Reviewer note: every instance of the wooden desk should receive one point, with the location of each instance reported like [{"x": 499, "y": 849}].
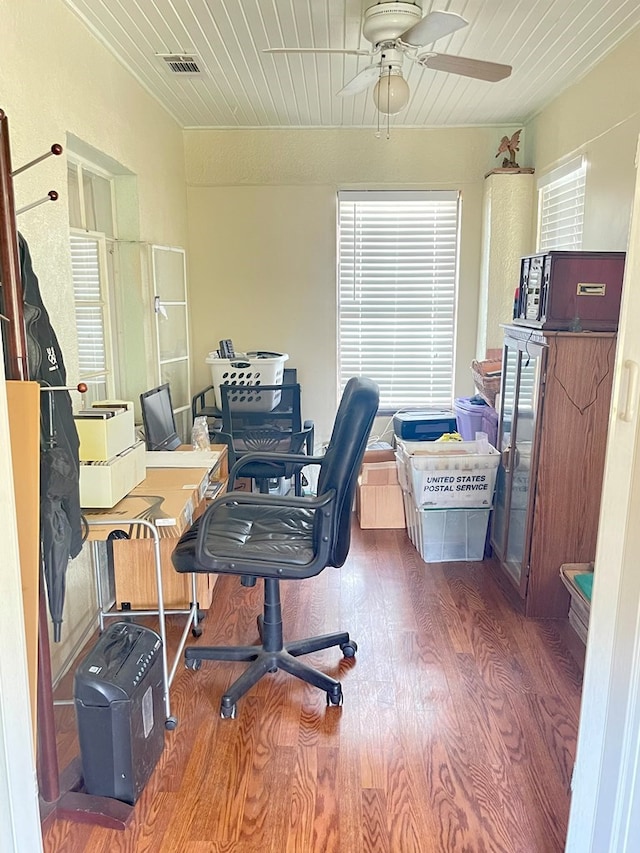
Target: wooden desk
[
  {"x": 172, "y": 499},
  {"x": 154, "y": 515}
]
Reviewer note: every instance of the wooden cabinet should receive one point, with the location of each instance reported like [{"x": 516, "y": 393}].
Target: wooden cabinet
[{"x": 552, "y": 432}]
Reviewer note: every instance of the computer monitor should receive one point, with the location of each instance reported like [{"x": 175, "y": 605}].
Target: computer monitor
[{"x": 157, "y": 417}]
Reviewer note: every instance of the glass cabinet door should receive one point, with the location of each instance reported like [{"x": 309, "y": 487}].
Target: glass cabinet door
[
  {"x": 515, "y": 478},
  {"x": 507, "y": 409}
]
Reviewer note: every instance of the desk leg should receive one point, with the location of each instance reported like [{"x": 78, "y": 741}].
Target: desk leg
[
  {"x": 95, "y": 562},
  {"x": 170, "y": 722}
]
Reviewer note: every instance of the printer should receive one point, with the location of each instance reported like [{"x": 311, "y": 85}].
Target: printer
[
  {"x": 112, "y": 462},
  {"x": 423, "y": 426}
]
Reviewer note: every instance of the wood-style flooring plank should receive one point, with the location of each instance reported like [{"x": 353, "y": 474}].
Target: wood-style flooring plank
[{"x": 457, "y": 733}]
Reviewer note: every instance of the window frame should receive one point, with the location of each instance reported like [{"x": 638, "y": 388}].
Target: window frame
[
  {"x": 107, "y": 272},
  {"x": 418, "y": 392},
  {"x": 573, "y": 171}
]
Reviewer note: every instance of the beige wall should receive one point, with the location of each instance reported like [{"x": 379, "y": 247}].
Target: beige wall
[
  {"x": 599, "y": 118},
  {"x": 55, "y": 78},
  {"x": 262, "y": 236},
  {"x": 508, "y": 208}
]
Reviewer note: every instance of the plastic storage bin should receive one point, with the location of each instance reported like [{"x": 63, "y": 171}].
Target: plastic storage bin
[
  {"x": 447, "y": 535},
  {"x": 476, "y": 417},
  {"x": 248, "y": 371},
  {"x": 448, "y": 474}
]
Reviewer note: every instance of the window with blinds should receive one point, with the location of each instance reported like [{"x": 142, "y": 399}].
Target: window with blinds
[
  {"x": 87, "y": 267},
  {"x": 93, "y": 229},
  {"x": 561, "y": 207},
  {"x": 397, "y": 283}
]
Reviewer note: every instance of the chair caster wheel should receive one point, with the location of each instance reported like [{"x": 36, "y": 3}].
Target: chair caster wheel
[
  {"x": 336, "y": 697},
  {"x": 196, "y": 631},
  {"x": 170, "y": 723},
  {"x": 349, "y": 649},
  {"x": 228, "y": 712},
  {"x": 193, "y": 663}
]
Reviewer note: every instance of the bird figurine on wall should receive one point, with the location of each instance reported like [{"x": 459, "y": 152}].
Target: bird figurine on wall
[{"x": 510, "y": 146}]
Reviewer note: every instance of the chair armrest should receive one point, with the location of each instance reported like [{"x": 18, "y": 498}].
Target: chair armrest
[
  {"x": 197, "y": 401},
  {"x": 276, "y": 458},
  {"x": 259, "y": 499},
  {"x": 309, "y": 428},
  {"x": 224, "y": 438}
]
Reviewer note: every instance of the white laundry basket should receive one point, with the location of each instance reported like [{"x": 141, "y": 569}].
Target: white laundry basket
[{"x": 248, "y": 371}]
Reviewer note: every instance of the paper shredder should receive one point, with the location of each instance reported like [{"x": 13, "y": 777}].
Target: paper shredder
[{"x": 118, "y": 695}]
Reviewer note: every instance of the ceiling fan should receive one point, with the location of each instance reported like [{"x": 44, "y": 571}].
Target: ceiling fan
[{"x": 395, "y": 30}]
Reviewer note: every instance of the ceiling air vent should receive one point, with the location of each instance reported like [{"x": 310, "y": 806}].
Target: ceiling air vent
[{"x": 184, "y": 65}]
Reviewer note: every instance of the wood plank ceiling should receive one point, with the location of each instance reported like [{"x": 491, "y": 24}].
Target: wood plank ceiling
[{"x": 549, "y": 43}]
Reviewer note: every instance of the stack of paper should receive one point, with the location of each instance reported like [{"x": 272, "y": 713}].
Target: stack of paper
[{"x": 182, "y": 459}]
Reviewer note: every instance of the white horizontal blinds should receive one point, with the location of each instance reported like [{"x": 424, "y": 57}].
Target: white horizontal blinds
[
  {"x": 397, "y": 290},
  {"x": 90, "y": 311},
  {"x": 561, "y": 207}
]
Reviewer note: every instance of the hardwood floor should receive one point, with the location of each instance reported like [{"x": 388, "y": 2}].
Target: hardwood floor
[{"x": 457, "y": 733}]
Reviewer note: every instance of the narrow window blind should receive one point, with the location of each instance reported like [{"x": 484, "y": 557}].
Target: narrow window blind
[
  {"x": 561, "y": 207},
  {"x": 90, "y": 309},
  {"x": 398, "y": 254}
]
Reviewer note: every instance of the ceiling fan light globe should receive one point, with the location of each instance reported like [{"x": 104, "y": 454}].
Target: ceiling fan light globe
[{"x": 391, "y": 94}]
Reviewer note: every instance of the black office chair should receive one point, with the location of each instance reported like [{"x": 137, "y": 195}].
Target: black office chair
[
  {"x": 284, "y": 538},
  {"x": 277, "y": 431}
]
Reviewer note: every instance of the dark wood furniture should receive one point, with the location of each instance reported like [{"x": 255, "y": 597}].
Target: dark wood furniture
[
  {"x": 556, "y": 392},
  {"x": 570, "y": 291}
]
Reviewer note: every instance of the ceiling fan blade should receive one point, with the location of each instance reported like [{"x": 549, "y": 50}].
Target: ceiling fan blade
[
  {"x": 432, "y": 27},
  {"x": 492, "y": 72},
  {"x": 361, "y": 81},
  {"x": 316, "y": 50}
]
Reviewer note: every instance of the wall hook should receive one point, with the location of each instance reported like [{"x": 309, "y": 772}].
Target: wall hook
[
  {"x": 56, "y": 149},
  {"x": 52, "y": 195}
]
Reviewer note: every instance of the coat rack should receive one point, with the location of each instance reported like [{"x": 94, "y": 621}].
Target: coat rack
[{"x": 60, "y": 796}]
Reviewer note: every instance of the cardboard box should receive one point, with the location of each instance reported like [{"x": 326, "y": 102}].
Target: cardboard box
[
  {"x": 379, "y": 497},
  {"x": 580, "y": 605},
  {"x": 103, "y": 484},
  {"x": 102, "y": 438},
  {"x": 379, "y": 455},
  {"x": 172, "y": 512},
  {"x": 243, "y": 484},
  {"x": 194, "y": 480},
  {"x": 379, "y": 473}
]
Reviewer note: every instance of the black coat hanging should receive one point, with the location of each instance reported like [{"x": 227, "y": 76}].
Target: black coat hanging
[{"x": 60, "y": 515}]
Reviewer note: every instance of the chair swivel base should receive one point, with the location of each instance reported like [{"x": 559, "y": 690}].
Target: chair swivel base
[{"x": 273, "y": 655}]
